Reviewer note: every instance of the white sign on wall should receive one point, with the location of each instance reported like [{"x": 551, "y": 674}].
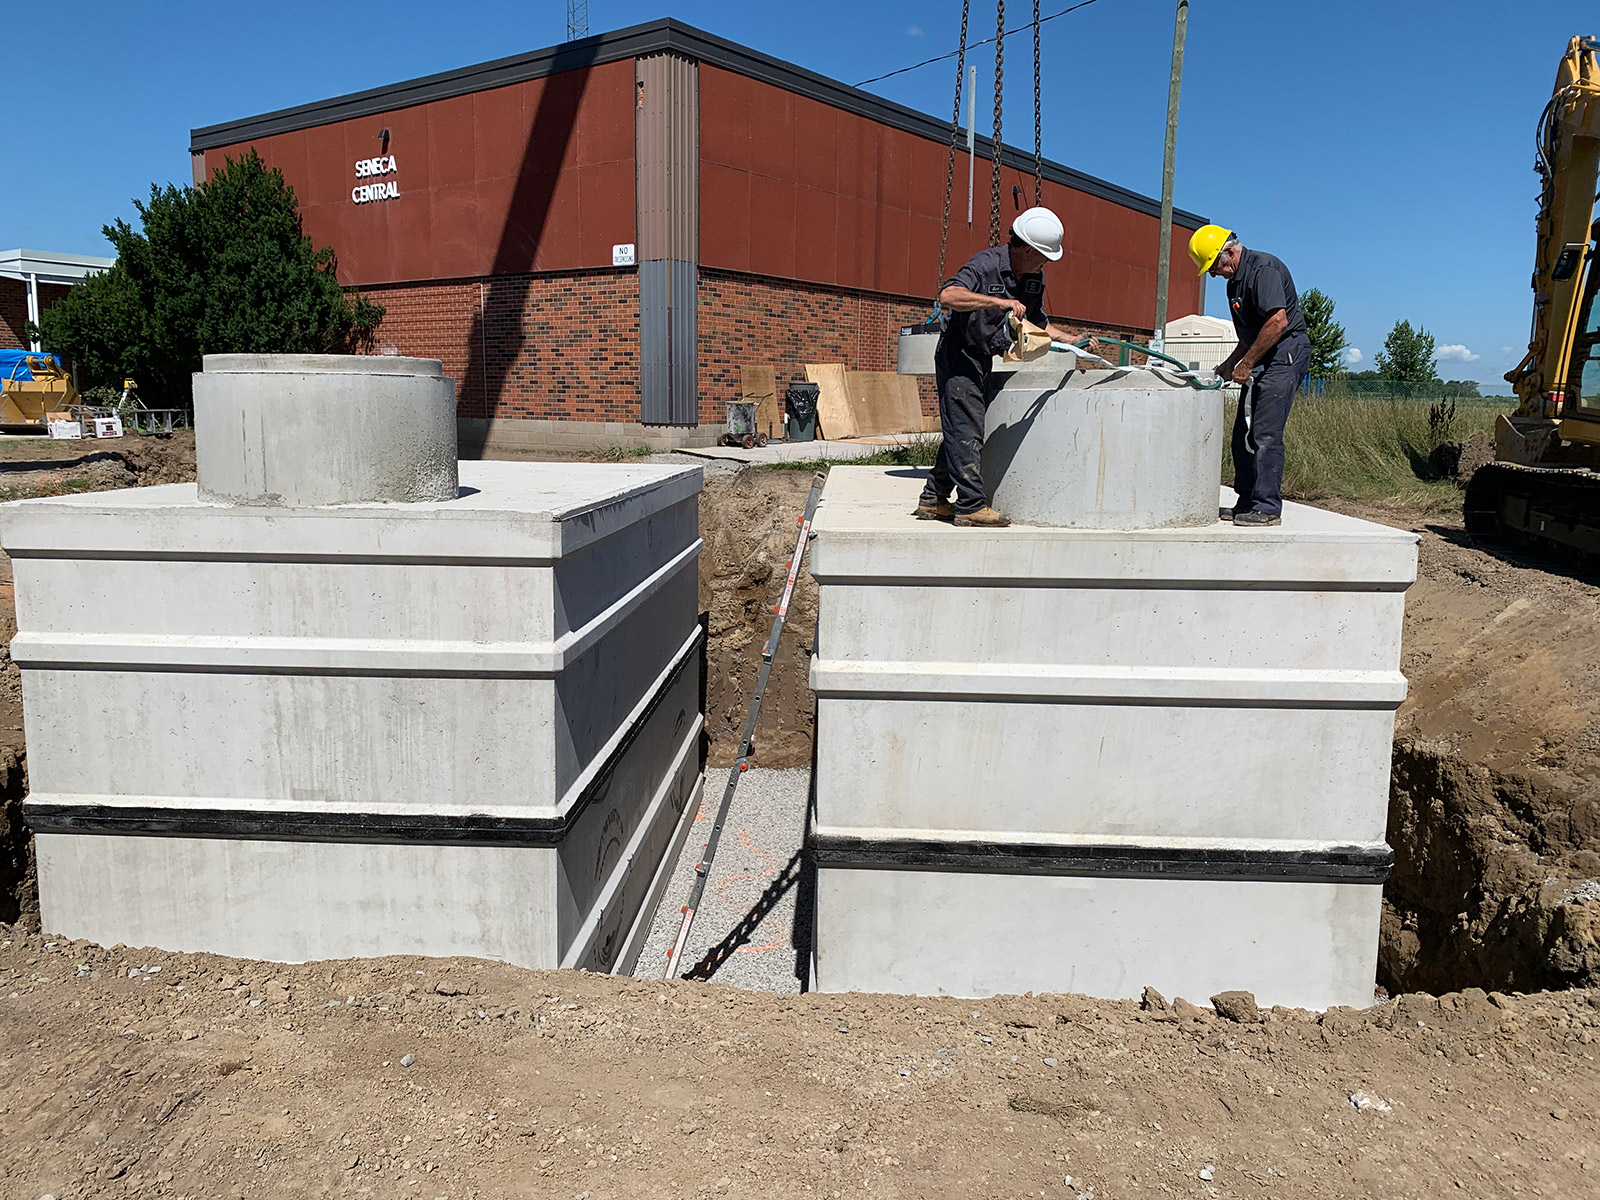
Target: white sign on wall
[
  {"x": 622, "y": 256},
  {"x": 368, "y": 168}
]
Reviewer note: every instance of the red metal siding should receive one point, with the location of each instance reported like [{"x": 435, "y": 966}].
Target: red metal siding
[
  {"x": 794, "y": 188},
  {"x": 535, "y": 176}
]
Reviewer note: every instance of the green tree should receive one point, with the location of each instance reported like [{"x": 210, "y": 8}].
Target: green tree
[
  {"x": 1407, "y": 355},
  {"x": 1328, "y": 340},
  {"x": 221, "y": 267}
]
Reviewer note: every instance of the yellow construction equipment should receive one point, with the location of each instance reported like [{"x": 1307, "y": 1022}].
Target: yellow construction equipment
[
  {"x": 32, "y": 387},
  {"x": 1542, "y": 489}
]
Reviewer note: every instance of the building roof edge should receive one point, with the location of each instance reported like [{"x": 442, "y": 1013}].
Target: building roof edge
[{"x": 655, "y": 37}]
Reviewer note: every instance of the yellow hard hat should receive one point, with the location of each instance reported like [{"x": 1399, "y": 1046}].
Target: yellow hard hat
[{"x": 1206, "y": 244}]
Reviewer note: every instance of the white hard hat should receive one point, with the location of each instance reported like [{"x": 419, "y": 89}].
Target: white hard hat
[{"x": 1041, "y": 229}]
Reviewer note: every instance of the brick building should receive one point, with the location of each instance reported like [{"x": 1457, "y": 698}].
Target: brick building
[
  {"x": 31, "y": 282},
  {"x": 603, "y": 231}
]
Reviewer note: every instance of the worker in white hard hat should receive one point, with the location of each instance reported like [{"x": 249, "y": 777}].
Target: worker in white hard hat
[{"x": 976, "y": 304}]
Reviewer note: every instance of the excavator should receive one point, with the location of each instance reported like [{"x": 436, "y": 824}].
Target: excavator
[{"x": 1543, "y": 489}]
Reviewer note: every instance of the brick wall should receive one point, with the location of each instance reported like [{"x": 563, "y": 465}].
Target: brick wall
[
  {"x": 13, "y": 314},
  {"x": 566, "y": 346},
  {"x": 560, "y": 346},
  {"x": 14, "y": 310},
  {"x": 755, "y": 320}
]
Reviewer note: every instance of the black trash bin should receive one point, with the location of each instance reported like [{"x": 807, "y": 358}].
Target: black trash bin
[{"x": 800, "y": 399}]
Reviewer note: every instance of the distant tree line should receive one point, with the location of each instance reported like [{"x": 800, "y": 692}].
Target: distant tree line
[
  {"x": 222, "y": 267},
  {"x": 1407, "y": 365}
]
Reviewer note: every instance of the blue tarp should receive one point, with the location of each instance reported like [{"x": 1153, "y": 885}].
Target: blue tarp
[{"x": 12, "y": 365}]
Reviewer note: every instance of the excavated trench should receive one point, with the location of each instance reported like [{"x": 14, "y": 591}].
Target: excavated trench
[{"x": 1495, "y": 879}]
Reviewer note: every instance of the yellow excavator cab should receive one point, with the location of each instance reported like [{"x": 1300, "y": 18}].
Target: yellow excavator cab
[{"x": 28, "y": 401}]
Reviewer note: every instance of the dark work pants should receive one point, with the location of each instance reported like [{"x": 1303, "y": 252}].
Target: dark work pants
[
  {"x": 962, "y": 410},
  {"x": 1258, "y": 427}
]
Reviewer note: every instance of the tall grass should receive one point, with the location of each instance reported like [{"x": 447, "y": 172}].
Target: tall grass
[{"x": 1376, "y": 450}]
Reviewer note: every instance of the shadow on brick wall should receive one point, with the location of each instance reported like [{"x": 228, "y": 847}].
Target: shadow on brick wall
[{"x": 554, "y": 125}]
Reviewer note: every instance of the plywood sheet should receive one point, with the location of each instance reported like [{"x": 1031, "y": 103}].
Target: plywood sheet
[
  {"x": 758, "y": 386},
  {"x": 883, "y": 402},
  {"x": 835, "y": 415}
]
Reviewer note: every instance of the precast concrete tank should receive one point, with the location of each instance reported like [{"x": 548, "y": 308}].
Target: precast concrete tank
[
  {"x": 340, "y": 702},
  {"x": 1101, "y": 449}
]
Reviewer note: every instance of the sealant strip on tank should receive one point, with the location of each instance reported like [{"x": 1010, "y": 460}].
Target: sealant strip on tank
[
  {"x": 362, "y": 827},
  {"x": 1336, "y": 864}
]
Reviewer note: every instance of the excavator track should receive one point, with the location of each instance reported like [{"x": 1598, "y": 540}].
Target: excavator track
[{"x": 1555, "y": 510}]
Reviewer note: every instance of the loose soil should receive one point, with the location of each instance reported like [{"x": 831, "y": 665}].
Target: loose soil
[
  {"x": 214, "y": 1077},
  {"x": 137, "y": 1073}
]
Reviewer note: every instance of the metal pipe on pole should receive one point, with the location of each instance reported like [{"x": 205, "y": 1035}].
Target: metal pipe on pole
[
  {"x": 33, "y": 310},
  {"x": 1164, "y": 255},
  {"x": 972, "y": 134}
]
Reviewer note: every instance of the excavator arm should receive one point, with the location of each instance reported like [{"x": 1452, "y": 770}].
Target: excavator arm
[
  {"x": 1548, "y": 380},
  {"x": 1542, "y": 490}
]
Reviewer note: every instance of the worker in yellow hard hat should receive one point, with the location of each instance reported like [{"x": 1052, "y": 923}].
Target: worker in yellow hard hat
[
  {"x": 977, "y": 303},
  {"x": 1269, "y": 363}
]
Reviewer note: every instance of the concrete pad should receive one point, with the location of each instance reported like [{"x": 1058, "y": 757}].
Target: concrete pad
[{"x": 829, "y": 451}]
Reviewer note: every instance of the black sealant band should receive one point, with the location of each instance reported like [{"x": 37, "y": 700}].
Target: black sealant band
[
  {"x": 423, "y": 828},
  {"x": 1338, "y": 864}
]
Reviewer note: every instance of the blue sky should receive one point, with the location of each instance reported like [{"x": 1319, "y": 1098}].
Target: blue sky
[{"x": 1384, "y": 151}]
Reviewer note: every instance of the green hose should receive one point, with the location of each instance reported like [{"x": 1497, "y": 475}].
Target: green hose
[{"x": 1206, "y": 386}]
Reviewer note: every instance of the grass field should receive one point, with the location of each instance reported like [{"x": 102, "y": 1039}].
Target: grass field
[{"x": 1371, "y": 449}]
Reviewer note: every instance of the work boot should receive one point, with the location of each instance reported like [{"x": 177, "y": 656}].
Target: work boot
[
  {"x": 941, "y": 511},
  {"x": 983, "y": 518},
  {"x": 1257, "y": 519}
]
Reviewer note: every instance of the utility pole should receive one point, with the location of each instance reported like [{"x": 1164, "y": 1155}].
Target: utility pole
[
  {"x": 577, "y": 19},
  {"x": 1174, "y": 85}
]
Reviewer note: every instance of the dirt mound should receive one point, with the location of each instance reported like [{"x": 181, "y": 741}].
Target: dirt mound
[
  {"x": 43, "y": 467},
  {"x": 1495, "y": 803},
  {"x": 160, "y": 458},
  {"x": 149, "y": 1074}
]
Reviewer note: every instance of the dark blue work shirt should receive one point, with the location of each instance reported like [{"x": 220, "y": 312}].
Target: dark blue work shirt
[
  {"x": 1258, "y": 288},
  {"x": 982, "y": 334}
]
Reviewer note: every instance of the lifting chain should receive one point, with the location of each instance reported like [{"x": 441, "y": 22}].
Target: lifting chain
[
  {"x": 950, "y": 167},
  {"x": 1038, "y": 138},
  {"x": 999, "y": 86}
]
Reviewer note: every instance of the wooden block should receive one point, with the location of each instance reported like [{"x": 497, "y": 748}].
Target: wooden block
[
  {"x": 835, "y": 415},
  {"x": 757, "y": 386}
]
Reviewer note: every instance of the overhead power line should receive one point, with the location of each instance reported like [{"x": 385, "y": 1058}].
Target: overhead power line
[{"x": 974, "y": 45}]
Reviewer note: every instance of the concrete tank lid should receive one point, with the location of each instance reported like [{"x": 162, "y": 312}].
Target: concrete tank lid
[{"x": 321, "y": 364}]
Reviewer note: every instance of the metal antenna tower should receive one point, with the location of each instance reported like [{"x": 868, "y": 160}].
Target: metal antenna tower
[{"x": 577, "y": 19}]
